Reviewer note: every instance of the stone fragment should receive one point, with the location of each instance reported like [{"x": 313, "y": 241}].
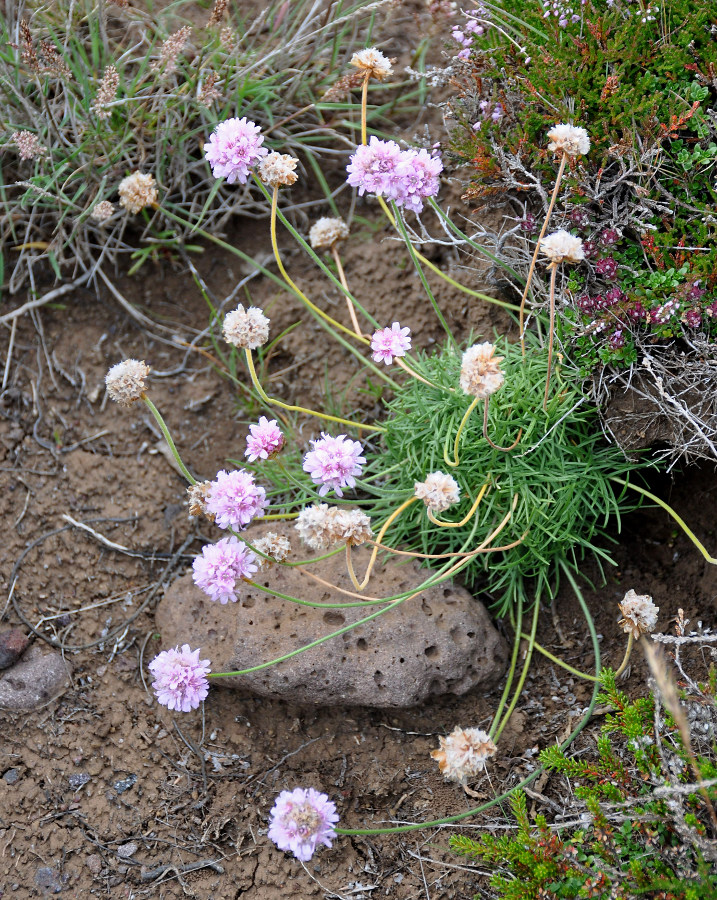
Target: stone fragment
[
  {"x": 48, "y": 880},
  {"x": 13, "y": 643},
  {"x": 94, "y": 863},
  {"x": 78, "y": 780},
  {"x": 11, "y": 776},
  {"x": 439, "y": 642},
  {"x": 124, "y": 784},
  {"x": 125, "y": 851},
  {"x": 36, "y": 679}
]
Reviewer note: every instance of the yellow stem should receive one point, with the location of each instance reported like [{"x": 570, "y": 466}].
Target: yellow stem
[
  {"x": 364, "y": 104},
  {"x": 275, "y": 516},
  {"x": 558, "y": 661},
  {"x": 374, "y": 553},
  {"x": 272, "y": 401},
  {"x": 626, "y": 658},
  {"x": 292, "y": 285},
  {"x": 551, "y": 335},
  {"x": 558, "y": 179},
  {"x": 407, "y": 368},
  {"x": 350, "y": 567},
  {"x": 466, "y": 415},
  {"x": 469, "y": 514},
  {"x": 461, "y": 287},
  {"x": 485, "y": 432},
  {"x": 342, "y": 279}
]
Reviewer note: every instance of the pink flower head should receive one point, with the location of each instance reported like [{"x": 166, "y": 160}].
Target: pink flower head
[
  {"x": 301, "y": 819},
  {"x": 221, "y": 565},
  {"x": 265, "y": 440},
  {"x": 419, "y": 172},
  {"x": 373, "y": 168},
  {"x": 180, "y": 678},
  {"x": 390, "y": 342},
  {"x": 234, "y": 499},
  {"x": 233, "y": 148},
  {"x": 333, "y": 463}
]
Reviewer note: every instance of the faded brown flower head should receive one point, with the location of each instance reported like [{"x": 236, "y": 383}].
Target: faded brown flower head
[
  {"x": 343, "y": 87},
  {"x": 481, "y": 374},
  {"x": 198, "y": 494},
  {"x": 439, "y": 491},
  {"x": 217, "y": 12},
  {"x": 126, "y": 381},
  {"x": 322, "y": 526},
  {"x": 569, "y": 139},
  {"x": 246, "y": 329},
  {"x": 53, "y": 62},
  {"x": 170, "y": 50},
  {"x": 106, "y": 93},
  {"x": 29, "y": 56},
  {"x": 639, "y": 614},
  {"x": 561, "y": 246},
  {"x": 326, "y": 231},
  {"x": 274, "y": 545},
  {"x": 372, "y": 61},
  {"x": 137, "y": 191},
  {"x": 102, "y": 211},
  {"x": 227, "y": 39},
  {"x": 277, "y": 169},
  {"x": 207, "y": 93},
  {"x": 28, "y": 145},
  {"x": 464, "y": 753}
]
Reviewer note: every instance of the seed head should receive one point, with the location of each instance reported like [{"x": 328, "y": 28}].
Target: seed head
[
  {"x": 639, "y": 614},
  {"x": 106, "y": 93},
  {"x": 277, "y": 169},
  {"x": 275, "y": 546},
  {"x": 207, "y": 93},
  {"x": 569, "y": 139},
  {"x": 246, "y": 329},
  {"x": 464, "y": 753},
  {"x": 561, "y": 246},
  {"x": 439, "y": 491},
  {"x": 102, "y": 211},
  {"x": 481, "y": 374},
  {"x": 326, "y": 231},
  {"x": 322, "y": 526},
  {"x": 170, "y": 50},
  {"x": 28, "y": 145},
  {"x": 198, "y": 494},
  {"x": 372, "y": 61},
  {"x": 126, "y": 381},
  {"x": 137, "y": 191}
]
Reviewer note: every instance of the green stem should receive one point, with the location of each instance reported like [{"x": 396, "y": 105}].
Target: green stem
[
  {"x": 466, "y": 415},
  {"x": 523, "y": 675},
  {"x": 560, "y": 662},
  {"x": 626, "y": 658},
  {"x": 168, "y": 438},
  {"x": 511, "y": 671}
]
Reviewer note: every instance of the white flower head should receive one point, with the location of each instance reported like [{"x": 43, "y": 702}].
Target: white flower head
[
  {"x": 569, "y": 139},
  {"x": 322, "y": 526},
  {"x": 137, "y": 191},
  {"x": 481, "y": 374},
  {"x": 464, "y": 753},
  {"x": 277, "y": 169},
  {"x": 198, "y": 495},
  {"x": 126, "y": 381},
  {"x": 439, "y": 491},
  {"x": 561, "y": 246},
  {"x": 639, "y": 614},
  {"x": 373, "y": 61},
  {"x": 273, "y": 545},
  {"x": 246, "y": 329},
  {"x": 326, "y": 231}
]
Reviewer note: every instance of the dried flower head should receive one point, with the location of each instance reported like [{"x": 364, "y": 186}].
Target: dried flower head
[
  {"x": 180, "y": 678},
  {"x": 125, "y": 381},
  {"x": 273, "y": 545},
  {"x": 53, "y": 61},
  {"x": 300, "y": 820},
  {"x": 198, "y": 494},
  {"x": 217, "y": 12},
  {"x": 246, "y": 329},
  {"x": 277, "y": 169},
  {"x": 464, "y": 753},
  {"x": 334, "y": 462},
  {"x": 343, "y": 87},
  {"x": 639, "y": 614},
  {"x": 233, "y": 148},
  {"x": 264, "y": 441},
  {"x": 389, "y": 342},
  {"x": 234, "y": 499},
  {"x": 569, "y": 139},
  {"x": 326, "y": 231},
  {"x": 102, "y": 211},
  {"x": 170, "y": 50},
  {"x": 321, "y": 526},
  {"x": 106, "y": 93},
  {"x": 439, "y": 491},
  {"x": 207, "y": 93},
  {"x": 481, "y": 374},
  {"x": 221, "y": 566},
  {"x": 137, "y": 191},
  {"x": 372, "y": 62},
  {"x": 561, "y": 246},
  {"x": 28, "y": 145}
]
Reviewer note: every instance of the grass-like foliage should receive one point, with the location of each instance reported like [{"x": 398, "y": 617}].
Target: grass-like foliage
[
  {"x": 560, "y": 471},
  {"x": 645, "y": 824}
]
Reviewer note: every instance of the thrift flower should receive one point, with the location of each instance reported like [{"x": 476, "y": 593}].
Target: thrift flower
[
  {"x": 180, "y": 678},
  {"x": 326, "y": 231},
  {"x": 246, "y": 329},
  {"x": 569, "y": 139},
  {"x": 300, "y": 820},
  {"x": 233, "y": 148},
  {"x": 418, "y": 172},
  {"x": 198, "y": 494},
  {"x": 102, "y": 211},
  {"x": 334, "y": 462},
  {"x": 373, "y": 62},
  {"x": 221, "y": 566},
  {"x": 374, "y": 168},
  {"x": 274, "y": 545},
  {"x": 137, "y": 191},
  {"x": 439, "y": 491},
  {"x": 126, "y": 381},
  {"x": 390, "y": 342},
  {"x": 639, "y": 614},
  {"x": 464, "y": 753},
  {"x": 277, "y": 169},
  {"x": 265, "y": 440},
  {"x": 234, "y": 499},
  {"x": 561, "y": 246},
  {"x": 321, "y": 526},
  {"x": 481, "y": 374}
]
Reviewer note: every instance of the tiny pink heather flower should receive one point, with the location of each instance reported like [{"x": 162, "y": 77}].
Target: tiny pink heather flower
[
  {"x": 233, "y": 148},
  {"x": 390, "y": 342},
  {"x": 418, "y": 172},
  {"x": 300, "y": 820},
  {"x": 180, "y": 678},
  {"x": 221, "y": 566},
  {"x": 333, "y": 462},
  {"x": 374, "y": 168},
  {"x": 265, "y": 440},
  {"x": 234, "y": 499}
]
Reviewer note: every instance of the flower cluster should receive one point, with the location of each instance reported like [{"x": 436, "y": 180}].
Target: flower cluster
[
  {"x": 234, "y": 499},
  {"x": 464, "y": 753},
  {"x": 563, "y": 12},
  {"x": 246, "y": 329},
  {"x": 277, "y": 169},
  {"x": 302, "y": 819},
  {"x": 264, "y": 441},
  {"x": 321, "y": 526},
  {"x": 326, "y": 231},
  {"x": 221, "y": 566},
  {"x": 274, "y": 545},
  {"x": 569, "y": 139},
  {"x": 490, "y": 112},
  {"x": 438, "y": 491},
  {"x": 137, "y": 191},
  {"x": 180, "y": 678},
  {"x": 481, "y": 374},
  {"x": 28, "y": 145},
  {"x": 126, "y": 381},
  {"x": 389, "y": 342},
  {"x": 372, "y": 62},
  {"x": 561, "y": 246},
  {"x": 233, "y": 148},
  {"x": 639, "y": 614},
  {"x": 334, "y": 463},
  {"x": 406, "y": 176}
]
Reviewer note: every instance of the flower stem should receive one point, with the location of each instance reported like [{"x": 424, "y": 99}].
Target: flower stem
[
  {"x": 551, "y": 332},
  {"x": 272, "y": 401},
  {"x": 626, "y": 658},
  {"x": 374, "y": 553},
  {"x": 485, "y": 432},
  {"x": 469, "y": 514},
  {"x": 559, "y": 662},
  {"x": 168, "y": 438},
  {"x": 342, "y": 277},
  {"x": 523, "y": 675},
  {"x": 364, "y": 104},
  {"x": 466, "y": 415},
  {"x": 511, "y": 671}
]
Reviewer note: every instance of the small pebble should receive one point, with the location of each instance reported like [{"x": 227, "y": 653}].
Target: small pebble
[
  {"x": 124, "y": 784},
  {"x": 94, "y": 863},
  {"x": 78, "y": 780},
  {"x": 127, "y": 850},
  {"x": 11, "y": 776}
]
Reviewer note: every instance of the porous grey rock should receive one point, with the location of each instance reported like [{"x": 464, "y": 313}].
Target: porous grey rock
[
  {"x": 439, "y": 642},
  {"x": 36, "y": 679}
]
